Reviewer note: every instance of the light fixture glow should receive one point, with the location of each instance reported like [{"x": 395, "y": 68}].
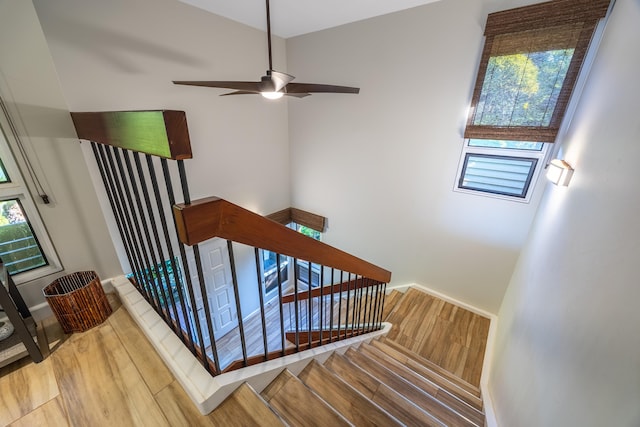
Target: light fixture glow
[
  {"x": 272, "y": 95},
  {"x": 559, "y": 172}
]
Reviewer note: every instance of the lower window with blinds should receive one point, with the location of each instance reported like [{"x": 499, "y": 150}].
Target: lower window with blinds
[{"x": 504, "y": 169}]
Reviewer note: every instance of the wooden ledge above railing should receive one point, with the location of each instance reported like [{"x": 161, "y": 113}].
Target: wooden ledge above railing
[
  {"x": 214, "y": 217},
  {"x": 162, "y": 133},
  {"x": 308, "y": 219}
]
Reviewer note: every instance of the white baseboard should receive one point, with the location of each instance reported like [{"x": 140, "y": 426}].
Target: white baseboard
[{"x": 489, "y": 349}]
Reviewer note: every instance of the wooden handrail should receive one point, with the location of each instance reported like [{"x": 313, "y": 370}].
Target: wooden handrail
[
  {"x": 214, "y": 217},
  {"x": 162, "y": 133},
  {"x": 327, "y": 290}
]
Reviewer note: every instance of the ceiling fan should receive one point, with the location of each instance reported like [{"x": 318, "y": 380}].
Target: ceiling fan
[{"x": 274, "y": 84}]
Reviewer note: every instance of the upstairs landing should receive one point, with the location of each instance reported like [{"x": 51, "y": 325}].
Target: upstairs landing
[{"x": 449, "y": 336}]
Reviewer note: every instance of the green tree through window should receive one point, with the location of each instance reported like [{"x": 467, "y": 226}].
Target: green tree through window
[
  {"x": 522, "y": 89},
  {"x": 19, "y": 248}
]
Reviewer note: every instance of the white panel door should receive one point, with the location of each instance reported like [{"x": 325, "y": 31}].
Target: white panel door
[{"x": 216, "y": 270}]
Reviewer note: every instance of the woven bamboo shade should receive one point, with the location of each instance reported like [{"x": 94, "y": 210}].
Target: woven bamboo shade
[{"x": 565, "y": 26}]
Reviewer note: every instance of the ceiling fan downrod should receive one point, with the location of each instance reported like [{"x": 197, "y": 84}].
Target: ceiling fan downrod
[{"x": 269, "y": 35}]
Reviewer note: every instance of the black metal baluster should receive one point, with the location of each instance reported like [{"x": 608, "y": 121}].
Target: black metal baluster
[
  {"x": 117, "y": 179},
  {"x": 261, "y": 286},
  {"x": 187, "y": 274},
  {"x": 360, "y": 306},
  {"x": 382, "y": 303},
  {"x": 111, "y": 173},
  {"x": 367, "y": 306},
  {"x": 236, "y": 293},
  {"x": 198, "y": 261},
  {"x": 172, "y": 258},
  {"x": 355, "y": 303},
  {"x": 295, "y": 300},
  {"x": 383, "y": 296},
  {"x": 136, "y": 226},
  {"x": 369, "y": 317},
  {"x": 354, "y": 307},
  {"x": 161, "y": 267},
  {"x": 282, "y": 334},
  {"x": 321, "y": 306},
  {"x": 332, "y": 296},
  {"x": 340, "y": 306},
  {"x": 153, "y": 271},
  {"x": 116, "y": 212},
  {"x": 309, "y": 306},
  {"x": 374, "y": 317}
]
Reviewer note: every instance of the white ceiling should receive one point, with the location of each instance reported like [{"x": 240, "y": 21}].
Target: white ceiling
[{"x": 291, "y": 18}]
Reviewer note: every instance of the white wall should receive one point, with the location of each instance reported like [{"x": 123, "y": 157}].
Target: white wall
[
  {"x": 568, "y": 351},
  {"x": 123, "y": 55},
  {"x": 29, "y": 85},
  {"x": 381, "y": 165}
]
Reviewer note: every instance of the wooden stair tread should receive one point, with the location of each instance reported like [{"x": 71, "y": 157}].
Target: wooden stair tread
[
  {"x": 474, "y": 390},
  {"x": 408, "y": 390},
  {"x": 431, "y": 375},
  {"x": 397, "y": 405},
  {"x": 245, "y": 407},
  {"x": 298, "y": 405},
  {"x": 354, "y": 406},
  {"x": 459, "y": 406}
]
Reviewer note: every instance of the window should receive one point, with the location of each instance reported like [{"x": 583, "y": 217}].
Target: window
[
  {"x": 25, "y": 247},
  {"x": 530, "y": 63},
  {"x": 270, "y": 267},
  {"x": 504, "y": 169}
]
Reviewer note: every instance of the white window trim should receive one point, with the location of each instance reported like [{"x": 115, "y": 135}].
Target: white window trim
[
  {"x": 17, "y": 189},
  {"x": 541, "y": 156}
]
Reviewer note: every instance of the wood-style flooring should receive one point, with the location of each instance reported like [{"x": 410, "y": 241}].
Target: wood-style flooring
[
  {"x": 111, "y": 375},
  {"x": 107, "y": 376},
  {"x": 448, "y": 335}
]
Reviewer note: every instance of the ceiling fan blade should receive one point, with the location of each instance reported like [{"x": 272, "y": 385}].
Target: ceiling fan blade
[
  {"x": 244, "y": 86},
  {"x": 279, "y": 79},
  {"x": 298, "y": 95},
  {"x": 245, "y": 92},
  {"x": 240, "y": 92},
  {"x": 319, "y": 88}
]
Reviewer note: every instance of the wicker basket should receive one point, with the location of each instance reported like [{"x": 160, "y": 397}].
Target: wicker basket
[{"x": 78, "y": 301}]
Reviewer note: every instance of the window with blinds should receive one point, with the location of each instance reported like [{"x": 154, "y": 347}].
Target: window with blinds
[
  {"x": 509, "y": 176},
  {"x": 530, "y": 63}
]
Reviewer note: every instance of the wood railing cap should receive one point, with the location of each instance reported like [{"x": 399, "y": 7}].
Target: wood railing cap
[{"x": 215, "y": 217}]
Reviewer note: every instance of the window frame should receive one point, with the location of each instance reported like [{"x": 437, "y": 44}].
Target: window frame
[
  {"x": 17, "y": 188},
  {"x": 288, "y": 261},
  {"x": 593, "y": 15},
  {"x": 541, "y": 157}
]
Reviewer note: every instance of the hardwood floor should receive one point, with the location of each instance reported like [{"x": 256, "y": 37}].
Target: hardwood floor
[
  {"x": 449, "y": 336},
  {"x": 111, "y": 375}
]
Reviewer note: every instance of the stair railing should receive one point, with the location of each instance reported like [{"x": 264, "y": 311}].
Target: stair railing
[{"x": 333, "y": 295}]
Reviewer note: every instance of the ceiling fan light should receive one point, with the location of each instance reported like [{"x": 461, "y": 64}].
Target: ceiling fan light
[{"x": 272, "y": 95}]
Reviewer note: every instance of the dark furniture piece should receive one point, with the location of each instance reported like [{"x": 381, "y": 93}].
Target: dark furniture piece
[{"x": 21, "y": 343}]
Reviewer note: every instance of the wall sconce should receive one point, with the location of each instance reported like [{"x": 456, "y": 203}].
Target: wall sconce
[{"x": 559, "y": 172}]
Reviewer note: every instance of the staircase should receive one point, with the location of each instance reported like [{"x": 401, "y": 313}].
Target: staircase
[{"x": 378, "y": 383}]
